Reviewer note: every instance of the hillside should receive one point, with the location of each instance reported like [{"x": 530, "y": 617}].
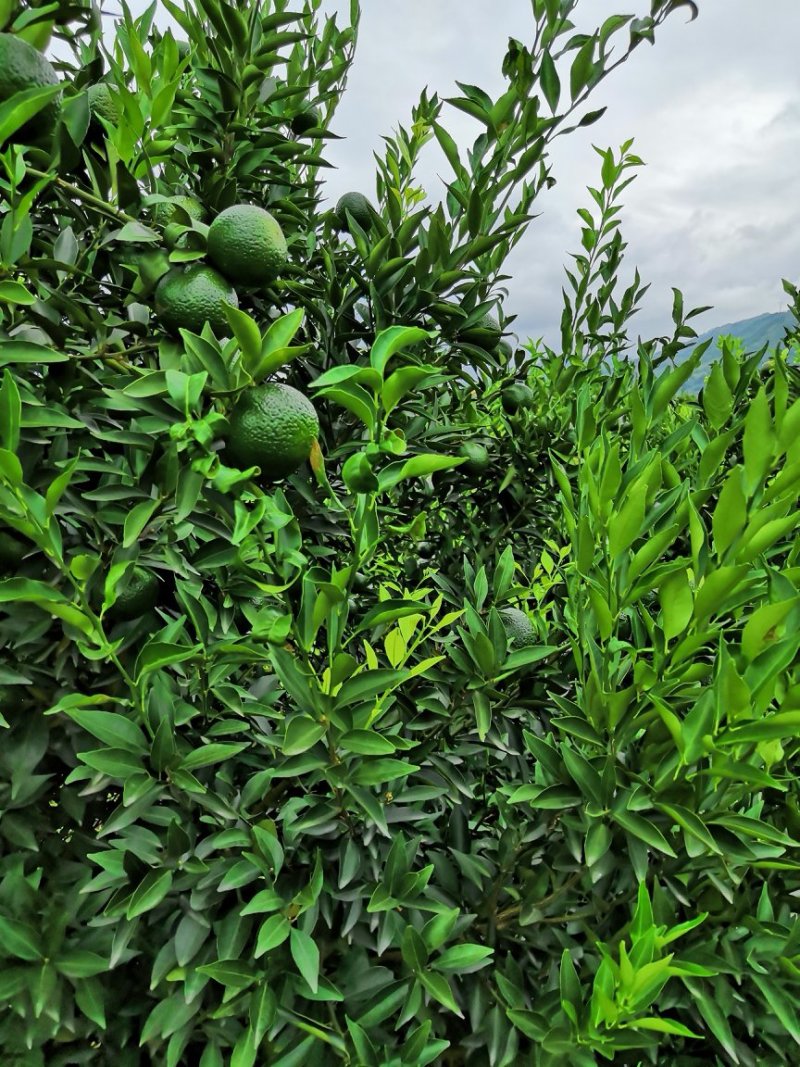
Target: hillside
[{"x": 754, "y": 333}]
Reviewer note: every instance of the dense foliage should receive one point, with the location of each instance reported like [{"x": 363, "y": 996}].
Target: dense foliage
[{"x": 279, "y": 783}]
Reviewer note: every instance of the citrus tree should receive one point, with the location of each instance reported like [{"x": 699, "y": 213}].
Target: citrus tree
[{"x": 375, "y": 689}]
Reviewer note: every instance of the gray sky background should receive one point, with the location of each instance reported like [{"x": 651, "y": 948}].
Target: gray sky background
[{"x": 714, "y": 110}]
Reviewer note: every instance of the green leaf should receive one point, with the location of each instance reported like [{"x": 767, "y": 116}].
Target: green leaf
[
  {"x": 758, "y": 441},
  {"x": 149, "y": 893},
  {"x": 306, "y": 955},
  {"x": 137, "y": 519},
  {"x": 278, "y": 338},
  {"x": 158, "y": 654},
  {"x": 302, "y": 733},
  {"x": 730, "y": 513},
  {"x": 677, "y": 602},
  {"x": 463, "y": 958},
  {"x": 717, "y": 397},
  {"x": 355, "y": 399},
  {"x": 134, "y": 232},
  {"x": 366, "y": 743},
  {"x": 403, "y": 381},
  {"x": 27, "y": 352},
  {"x": 15, "y": 293},
  {"x": 692, "y": 824},
  {"x": 389, "y": 611},
  {"x": 416, "y": 467},
  {"x": 367, "y": 685},
  {"x": 18, "y": 940},
  {"x": 644, "y": 830},
  {"x": 213, "y": 753},
  {"x": 760, "y": 629},
  {"x": 570, "y": 988},
  {"x": 661, "y": 1026},
  {"x": 10, "y": 412},
  {"x": 236, "y": 974},
  {"x": 378, "y": 771},
  {"x": 78, "y": 963},
  {"x": 112, "y": 729},
  {"x": 273, "y": 933},
  {"x": 712, "y": 595},
  {"x": 582, "y": 69},
  {"x": 247, "y": 334},
  {"x": 439, "y": 988},
  {"x": 549, "y": 81},
  {"x": 17, "y": 109},
  {"x": 393, "y": 340},
  {"x": 626, "y": 524}
]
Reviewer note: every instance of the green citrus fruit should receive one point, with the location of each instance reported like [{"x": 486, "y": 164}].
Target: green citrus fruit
[
  {"x": 477, "y": 457},
  {"x": 102, "y": 104},
  {"x": 516, "y": 396},
  {"x": 24, "y": 67},
  {"x": 247, "y": 244},
  {"x": 358, "y": 206},
  {"x": 485, "y": 333},
  {"x": 272, "y": 426},
  {"x": 12, "y": 551},
  {"x": 519, "y": 628},
  {"x": 176, "y": 213},
  {"x": 138, "y": 596},
  {"x": 305, "y": 121},
  {"x": 186, "y": 299},
  {"x": 172, "y": 210}
]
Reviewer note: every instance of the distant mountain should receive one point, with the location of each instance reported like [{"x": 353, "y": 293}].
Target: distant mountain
[{"x": 754, "y": 333}]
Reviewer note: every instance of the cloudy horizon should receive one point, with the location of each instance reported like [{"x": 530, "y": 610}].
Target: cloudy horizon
[
  {"x": 714, "y": 112},
  {"x": 713, "y": 109}
]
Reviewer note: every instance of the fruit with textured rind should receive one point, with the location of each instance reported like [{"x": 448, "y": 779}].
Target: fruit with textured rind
[
  {"x": 186, "y": 299},
  {"x": 485, "y": 333},
  {"x": 477, "y": 457},
  {"x": 138, "y": 596},
  {"x": 272, "y": 426},
  {"x": 519, "y": 628},
  {"x": 305, "y": 121},
  {"x": 102, "y": 104},
  {"x": 358, "y": 206},
  {"x": 23, "y": 67},
  {"x": 167, "y": 211},
  {"x": 516, "y": 396},
  {"x": 247, "y": 244},
  {"x": 172, "y": 215}
]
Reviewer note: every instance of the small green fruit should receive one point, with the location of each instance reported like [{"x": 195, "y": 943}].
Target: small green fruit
[
  {"x": 138, "y": 596},
  {"x": 359, "y": 208},
  {"x": 477, "y": 457},
  {"x": 519, "y": 628},
  {"x": 516, "y": 397},
  {"x": 485, "y": 333},
  {"x": 305, "y": 121}
]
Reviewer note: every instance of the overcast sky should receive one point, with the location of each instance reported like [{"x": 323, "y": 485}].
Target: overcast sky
[{"x": 714, "y": 110}]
